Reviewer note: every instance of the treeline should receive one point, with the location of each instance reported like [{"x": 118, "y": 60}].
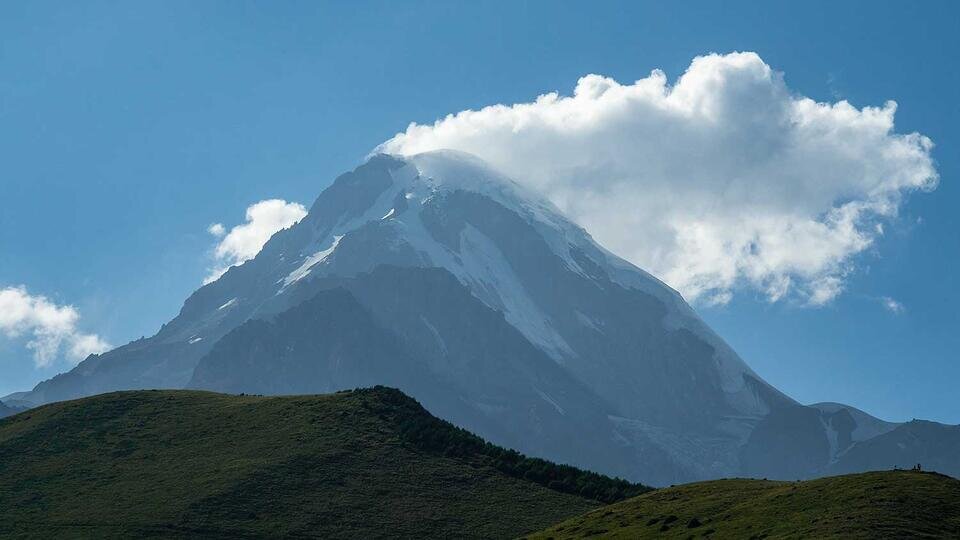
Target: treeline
[{"x": 420, "y": 428}]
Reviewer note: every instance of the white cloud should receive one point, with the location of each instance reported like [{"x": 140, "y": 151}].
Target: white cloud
[
  {"x": 49, "y": 326},
  {"x": 726, "y": 178},
  {"x": 891, "y": 305},
  {"x": 244, "y": 241},
  {"x": 217, "y": 229}
]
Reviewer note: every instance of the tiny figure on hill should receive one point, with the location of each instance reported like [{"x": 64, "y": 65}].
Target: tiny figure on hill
[{"x": 917, "y": 468}]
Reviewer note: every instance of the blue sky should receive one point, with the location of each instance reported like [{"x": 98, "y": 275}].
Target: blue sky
[{"x": 126, "y": 129}]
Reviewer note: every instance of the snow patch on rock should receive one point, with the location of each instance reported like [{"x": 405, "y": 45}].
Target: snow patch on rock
[{"x": 311, "y": 261}]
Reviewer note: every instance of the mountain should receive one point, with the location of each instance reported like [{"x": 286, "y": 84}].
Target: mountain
[
  {"x": 7, "y": 410},
  {"x": 442, "y": 277},
  {"x": 891, "y": 504},
  {"x": 932, "y": 445},
  {"x": 358, "y": 464},
  {"x": 829, "y": 438}
]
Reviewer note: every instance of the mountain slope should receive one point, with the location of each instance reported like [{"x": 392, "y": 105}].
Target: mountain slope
[
  {"x": 892, "y": 504},
  {"x": 366, "y": 463},
  {"x": 6, "y": 410},
  {"x": 444, "y": 346},
  {"x": 934, "y": 446}
]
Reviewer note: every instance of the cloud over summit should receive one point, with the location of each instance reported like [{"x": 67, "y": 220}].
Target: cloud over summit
[{"x": 724, "y": 179}]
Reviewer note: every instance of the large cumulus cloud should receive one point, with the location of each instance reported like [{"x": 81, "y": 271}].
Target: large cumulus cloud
[{"x": 724, "y": 179}]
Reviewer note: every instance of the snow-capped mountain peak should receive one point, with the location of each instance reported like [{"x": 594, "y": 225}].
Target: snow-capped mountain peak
[
  {"x": 511, "y": 248},
  {"x": 513, "y": 320}
]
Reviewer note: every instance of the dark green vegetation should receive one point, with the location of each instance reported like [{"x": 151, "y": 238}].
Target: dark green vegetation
[
  {"x": 430, "y": 433},
  {"x": 366, "y": 463},
  {"x": 892, "y": 504}
]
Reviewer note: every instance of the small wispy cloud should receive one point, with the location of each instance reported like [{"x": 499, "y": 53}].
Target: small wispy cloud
[
  {"x": 892, "y": 305},
  {"x": 217, "y": 229},
  {"x": 51, "y": 327},
  {"x": 244, "y": 241}
]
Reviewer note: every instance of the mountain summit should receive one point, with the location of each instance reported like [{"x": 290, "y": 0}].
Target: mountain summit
[{"x": 442, "y": 277}]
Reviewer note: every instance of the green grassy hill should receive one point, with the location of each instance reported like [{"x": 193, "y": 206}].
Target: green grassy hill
[
  {"x": 892, "y": 504},
  {"x": 368, "y": 463}
]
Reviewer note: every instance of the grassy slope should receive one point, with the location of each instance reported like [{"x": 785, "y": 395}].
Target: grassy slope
[
  {"x": 179, "y": 463},
  {"x": 891, "y": 504}
]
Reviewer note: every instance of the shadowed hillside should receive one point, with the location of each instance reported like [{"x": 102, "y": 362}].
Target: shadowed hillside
[
  {"x": 891, "y": 504},
  {"x": 366, "y": 463}
]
